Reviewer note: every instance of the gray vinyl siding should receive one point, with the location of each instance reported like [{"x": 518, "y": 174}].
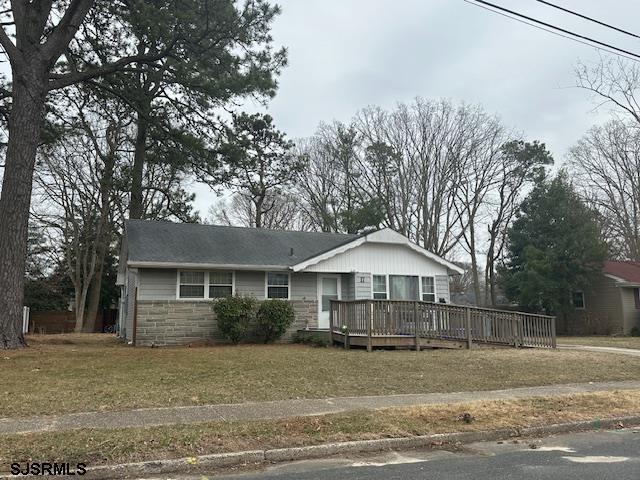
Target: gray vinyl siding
[
  {"x": 347, "y": 286},
  {"x": 442, "y": 288},
  {"x": 160, "y": 284},
  {"x": 630, "y": 315},
  {"x": 304, "y": 286},
  {"x": 157, "y": 284},
  {"x": 130, "y": 302},
  {"x": 362, "y": 286},
  {"x": 250, "y": 284}
]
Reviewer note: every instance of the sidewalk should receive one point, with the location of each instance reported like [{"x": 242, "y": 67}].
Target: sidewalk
[
  {"x": 590, "y": 348},
  {"x": 282, "y": 409}
]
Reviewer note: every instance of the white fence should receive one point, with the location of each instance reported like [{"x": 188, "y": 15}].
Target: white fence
[{"x": 25, "y": 319}]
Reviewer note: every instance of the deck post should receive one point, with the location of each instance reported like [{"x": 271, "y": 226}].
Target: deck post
[
  {"x": 331, "y": 304},
  {"x": 415, "y": 323},
  {"x": 369, "y": 320},
  {"x": 467, "y": 327},
  {"x": 553, "y": 332},
  {"x": 514, "y": 328}
]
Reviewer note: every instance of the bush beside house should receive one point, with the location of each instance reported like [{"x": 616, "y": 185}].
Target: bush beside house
[
  {"x": 235, "y": 315},
  {"x": 243, "y": 318},
  {"x": 273, "y": 319}
]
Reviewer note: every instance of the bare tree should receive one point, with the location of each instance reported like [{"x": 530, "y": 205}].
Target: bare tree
[
  {"x": 317, "y": 184},
  {"x": 519, "y": 163},
  {"x": 613, "y": 82},
  {"x": 606, "y": 166},
  {"x": 283, "y": 212},
  {"x": 75, "y": 182}
]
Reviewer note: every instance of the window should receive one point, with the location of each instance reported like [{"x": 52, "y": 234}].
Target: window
[
  {"x": 196, "y": 284},
  {"x": 577, "y": 299},
  {"x": 277, "y": 285},
  {"x": 380, "y": 287},
  {"x": 191, "y": 284},
  {"x": 220, "y": 284},
  {"x": 428, "y": 289},
  {"x": 636, "y": 297},
  {"x": 403, "y": 287}
]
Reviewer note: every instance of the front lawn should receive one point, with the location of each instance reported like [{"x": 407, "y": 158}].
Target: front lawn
[
  {"x": 74, "y": 373},
  {"x": 98, "y": 447},
  {"x": 602, "y": 341}
]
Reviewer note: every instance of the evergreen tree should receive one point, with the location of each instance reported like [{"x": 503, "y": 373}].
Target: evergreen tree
[{"x": 554, "y": 248}]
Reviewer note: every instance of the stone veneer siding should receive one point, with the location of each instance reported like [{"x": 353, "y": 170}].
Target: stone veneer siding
[{"x": 173, "y": 322}]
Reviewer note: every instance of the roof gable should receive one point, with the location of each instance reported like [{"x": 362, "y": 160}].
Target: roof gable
[{"x": 384, "y": 236}]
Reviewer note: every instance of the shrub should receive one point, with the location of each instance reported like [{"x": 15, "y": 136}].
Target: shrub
[
  {"x": 273, "y": 319},
  {"x": 313, "y": 340},
  {"x": 635, "y": 332},
  {"x": 234, "y": 315}
]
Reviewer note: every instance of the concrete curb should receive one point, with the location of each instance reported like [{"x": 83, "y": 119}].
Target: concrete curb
[{"x": 254, "y": 457}]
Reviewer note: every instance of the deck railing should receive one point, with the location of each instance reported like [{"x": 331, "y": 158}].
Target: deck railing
[{"x": 380, "y": 318}]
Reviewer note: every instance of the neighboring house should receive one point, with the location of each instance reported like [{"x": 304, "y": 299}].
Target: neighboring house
[
  {"x": 611, "y": 306},
  {"x": 169, "y": 273}
]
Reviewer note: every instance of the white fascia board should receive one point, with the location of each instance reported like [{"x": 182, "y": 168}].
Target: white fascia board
[
  {"x": 617, "y": 279},
  {"x": 205, "y": 266},
  {"x": 451, "y": 266},
  {"x": 331, "y": 253}
]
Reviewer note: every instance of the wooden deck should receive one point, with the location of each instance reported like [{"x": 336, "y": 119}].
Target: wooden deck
[{"x": 415, "y": 324}]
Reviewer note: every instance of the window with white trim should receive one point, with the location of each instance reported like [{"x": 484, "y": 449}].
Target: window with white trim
[
  {"x": 277, "y": 285},
  {"x": 428, "y": 285},
  {"x": 577, "y": 299},
  {"x": 191, "y": 284},
  {"x": 380, "y": 287},
  {"x": 220, "y": 284}
]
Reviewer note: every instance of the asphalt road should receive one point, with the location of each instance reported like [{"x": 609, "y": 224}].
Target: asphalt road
[{"x": 585, "y": 456}]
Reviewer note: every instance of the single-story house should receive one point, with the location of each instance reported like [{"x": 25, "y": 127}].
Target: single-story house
[
  {"x": 610, "y": 307},
  {"x": 169, "y": 273}
]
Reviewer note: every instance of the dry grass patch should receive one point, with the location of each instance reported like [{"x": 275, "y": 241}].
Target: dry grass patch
[
  {"x": 136, "y": 444},
  {"x": 94, "y": 372},
  {"x": 602, "y": 341}
]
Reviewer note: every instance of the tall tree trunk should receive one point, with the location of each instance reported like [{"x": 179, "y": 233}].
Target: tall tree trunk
[
  {"x": 474, "y": 265},
  {"x": 25, "y": 123},
  {"x": 136, "y": 208},
  {"x": 80, "y": 307},
  {"x": 94, "y": 297},
  {"x": 259, "y": 202}
]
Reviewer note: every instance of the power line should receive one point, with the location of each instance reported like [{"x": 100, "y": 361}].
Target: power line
[
  {"x": 602, "y": 46},
  {"x": 548, "y": 30},
  {"x": 577, "y": 14}
]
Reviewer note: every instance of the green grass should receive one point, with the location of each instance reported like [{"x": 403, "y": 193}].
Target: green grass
[
  {"x": 99, "y": 447},
  {"x": 602, "y": 341},
  {"x": 71, "y": 373}
]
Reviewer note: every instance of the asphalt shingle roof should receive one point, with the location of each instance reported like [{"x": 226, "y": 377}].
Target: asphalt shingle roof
[
  {"x": 628, "y": 271},
  {"x": 166, "y": 242}
]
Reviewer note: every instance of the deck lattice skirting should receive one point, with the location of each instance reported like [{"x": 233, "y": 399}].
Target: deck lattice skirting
[{"x": 377, "y": 323}]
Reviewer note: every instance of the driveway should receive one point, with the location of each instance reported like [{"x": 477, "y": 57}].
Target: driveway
[{"x": 621, "y": 351}]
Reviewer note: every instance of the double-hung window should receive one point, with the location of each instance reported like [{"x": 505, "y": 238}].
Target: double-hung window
[
  {"x": 380, "y": 287},
  {"x": 277, "y": 285},
  {"x": 198, "y": 284},
  {"x": 428, "y": 293},
  {"x": 220, "y": 284},
  {"x": 192, "y": 284}
]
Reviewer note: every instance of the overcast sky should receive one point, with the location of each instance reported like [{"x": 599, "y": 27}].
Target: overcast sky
[{"x": 347, "y": 54}]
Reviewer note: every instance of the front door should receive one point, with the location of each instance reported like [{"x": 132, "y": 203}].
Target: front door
[{"x": 328, "y": 289}]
